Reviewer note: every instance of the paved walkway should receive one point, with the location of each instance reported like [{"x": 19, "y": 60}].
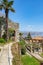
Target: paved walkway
[{"x": 6, "y": 56}]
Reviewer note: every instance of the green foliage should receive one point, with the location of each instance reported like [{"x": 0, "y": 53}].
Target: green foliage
[
  {"x": 4, "y": 36},
  {"x": 27, "y": 60},
  {"x": 20, "y": 34},
  {"x": 23, "y": 48},
  {"x": 12, "y": 9},
  {"x": 11, "y": 32},
  {"x": 0, "y": 49},
  {"x": 7, "y": 4},
  {"x": 29, "y": 36},
  {"x": 10, "y": 3},
  {"x": 2, "y": 41},
  {"x": 22, "y": 42}
]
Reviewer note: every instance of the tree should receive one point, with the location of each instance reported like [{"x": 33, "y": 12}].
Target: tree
[
  {"x": 29, "y": 36},
  {"x": 7, "y": 6},
  {"x": 11, "y": 32}
]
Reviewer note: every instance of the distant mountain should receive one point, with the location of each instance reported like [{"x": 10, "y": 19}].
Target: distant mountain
[{"x": 33, "y": 34}]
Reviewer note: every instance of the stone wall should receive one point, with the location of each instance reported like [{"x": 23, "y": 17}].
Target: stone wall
[
  {"x": 15, "y": 27},
  {"x": 12, "y": 25}
]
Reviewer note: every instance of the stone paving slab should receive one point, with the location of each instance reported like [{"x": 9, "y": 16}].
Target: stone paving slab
[{"x": 4, "y": 57}]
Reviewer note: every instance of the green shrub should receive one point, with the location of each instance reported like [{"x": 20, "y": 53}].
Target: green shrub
[
  {"x": 4, "y": 36},
  {"x": 23, "y": 50},
  {"x": 22, "y": 42},
  {"x": 2, "y": 40},
  {"x": 0, "y": 49}
]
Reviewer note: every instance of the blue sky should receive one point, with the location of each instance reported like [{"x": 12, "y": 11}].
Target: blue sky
[{"x": 29, "y": 14}]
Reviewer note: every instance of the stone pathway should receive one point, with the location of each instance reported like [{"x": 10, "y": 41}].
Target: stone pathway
[{"x": 6, "y": 56}]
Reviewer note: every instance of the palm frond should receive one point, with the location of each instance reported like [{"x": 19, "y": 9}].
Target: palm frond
[
  {"x": 10, "y": 3},
  {"x": 5, "y": 0},
  {"x": 1, "y": 6},
  {"x": 11, "y": 9},
  {"x": 5, "y": 3}
]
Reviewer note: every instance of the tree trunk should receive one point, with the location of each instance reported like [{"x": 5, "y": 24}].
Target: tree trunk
[{"x": 6, "y": 20}]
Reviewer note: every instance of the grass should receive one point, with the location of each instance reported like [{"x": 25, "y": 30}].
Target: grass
[
  {"x": 22, "y": 42},
  {"x": 27, "y": 60},
  {"x": 2, "y": 41},
  {"x": 2, "y": 44}
]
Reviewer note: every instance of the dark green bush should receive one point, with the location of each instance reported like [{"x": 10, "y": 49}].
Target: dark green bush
[
  {"x": 23, "y": 50},
  {"x": 0, "y": 49},
  {"x": 4, "y": 36},
  {"x": 22, "y": 42},
  {"x": 2, "y": 40}
]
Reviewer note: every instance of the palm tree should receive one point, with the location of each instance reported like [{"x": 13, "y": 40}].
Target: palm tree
[{"x": 7, "y": 6}]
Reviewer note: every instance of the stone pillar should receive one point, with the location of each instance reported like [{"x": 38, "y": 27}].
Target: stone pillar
[
  {"x": 17, "y": 35},
  {"x": 41, "y": 49},
  {"x": 31, "y": 46}
]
